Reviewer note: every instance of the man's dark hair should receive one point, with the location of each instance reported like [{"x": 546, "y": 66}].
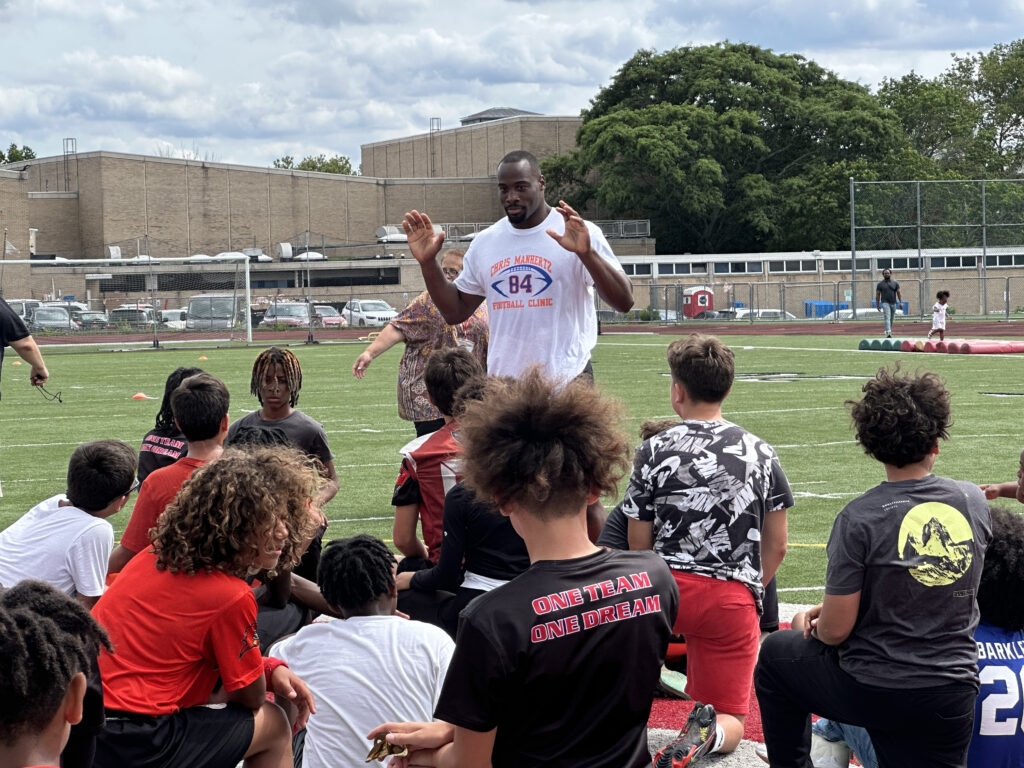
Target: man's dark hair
[
  {"x": 942, "y": 295},
  {"x": 265, "y": 362},
  {"x": 447, "y": 371},
  {"x": 901, "y": 416},
  {"x": 200, "y": 404},
  {"x": 542, "y": 444},
  {"x": 519, "y": 156},
  {"x": 703, "y": 365},
  {"x": 1001, "y": 593},
  {"x": 99, "y": 472},
  {"x": 46, "y": 638},
  {"x": 165, "y": 417},
  {"x": 355, "y": 572}
]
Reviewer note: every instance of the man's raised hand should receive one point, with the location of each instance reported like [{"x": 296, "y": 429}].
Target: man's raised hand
[
  {"x": 576, "y": 237},
  {"x": 423, "y": 243}
]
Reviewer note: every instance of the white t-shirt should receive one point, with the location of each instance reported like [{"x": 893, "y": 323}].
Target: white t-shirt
[
  {"x": 62, "y": 546},
  {"x": 364, "y": 671},
  {"x": 539, "y": 296},
  {"x": 939, "y": 315}
]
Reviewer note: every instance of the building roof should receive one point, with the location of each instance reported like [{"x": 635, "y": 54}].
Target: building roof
[{"x": 494, "y": 113}]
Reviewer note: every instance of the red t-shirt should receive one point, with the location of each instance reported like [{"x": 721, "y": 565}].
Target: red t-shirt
[
  {"x": 158, "y": 490},
  {"x": 173, "y": 636},
  {"x": 430, "y": 469}
]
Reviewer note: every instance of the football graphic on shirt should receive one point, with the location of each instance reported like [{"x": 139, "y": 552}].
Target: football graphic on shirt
[
  {"x": 521, "y": 279},
  {"x": 938, "y": 542}
]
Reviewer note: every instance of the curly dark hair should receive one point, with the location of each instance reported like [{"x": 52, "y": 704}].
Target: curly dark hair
[
  {"x": 223, "y": 510},
  {"x": 164, "y": 417},
  {"x": 46, "y": 638},
  {"x": 542, "y": 445},
  {"x": 447, "y": 370},
  {"x": 703, "y": 365},
  {"x": 901, "y": 416},
  {"x": 355, "y": 572},
  {"x": 1001, "y": 593},
  {"x": 264, "y": 364}
]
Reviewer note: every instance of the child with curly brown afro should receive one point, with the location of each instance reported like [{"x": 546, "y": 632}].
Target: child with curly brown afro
[
  {"x": 182, "y": 617},
  {"x": 891, "y": 646},
  {"x": 558, "y": 666}
]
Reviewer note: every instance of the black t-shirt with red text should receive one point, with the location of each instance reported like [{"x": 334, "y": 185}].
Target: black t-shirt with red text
[{"x": 563, "y": 661}]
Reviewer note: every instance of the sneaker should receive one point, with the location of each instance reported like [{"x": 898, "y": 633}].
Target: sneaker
[
  {"x": 672, "y": 683},
  {"x": 829, "y": 754},
  {"x": 888, "y": 335},
  {"x": 695, "y": 740},
  {"x": 761, "y": 751}
]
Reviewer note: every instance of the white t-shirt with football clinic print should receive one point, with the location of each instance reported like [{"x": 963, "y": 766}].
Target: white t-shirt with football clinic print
[{"x": 540, "y": 298}]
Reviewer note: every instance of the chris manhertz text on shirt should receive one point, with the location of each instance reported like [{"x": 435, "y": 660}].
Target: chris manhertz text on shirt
[{"x": 569, "y": 625}]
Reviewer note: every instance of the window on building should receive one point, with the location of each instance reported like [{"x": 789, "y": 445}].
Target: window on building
[
  {"x": 754, "y": 266},
  {"x": 682, "y": 269},
  {"x": 643, "y": 269},
  {"x": 666, "y": 269}
]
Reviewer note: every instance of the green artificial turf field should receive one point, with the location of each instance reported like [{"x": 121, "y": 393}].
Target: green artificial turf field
[{"x": 789, "y": 390}]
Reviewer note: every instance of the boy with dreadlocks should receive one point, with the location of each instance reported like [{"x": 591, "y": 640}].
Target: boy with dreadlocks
[
  {"x": 165, "y": 443},
  {"x": 373, "y": 666},
  {"x": 182, "y": 618},
  {"x": 200, "y": 408},
  {"x": 46, "y": 643},
  {"x": 538, "y": 675},
  {"x": 276, "y": 382}
]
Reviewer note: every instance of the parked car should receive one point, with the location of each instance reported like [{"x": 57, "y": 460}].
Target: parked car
[
  {"x": 708, "y": 314},
  {"x": 136, "y": 317},
  {"x": 215, "y": 310},
  {"x": 287, "y": 313},
  {"x": 52, "y": 319},
  {"x": 93, "y": 321},
  {"x": 309, "y": 256},
  {"x": 860, "y": 313},
  {"x": 764, "y": 314},
  {"x": 368, "y": 312},
  {"x": 173, "y": 319},
  {"x": 328, "y": 316},
  {"x": 23, "y": 307}
]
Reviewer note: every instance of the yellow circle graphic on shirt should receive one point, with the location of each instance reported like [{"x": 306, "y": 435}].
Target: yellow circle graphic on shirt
[{"x": 940, "y": 540}]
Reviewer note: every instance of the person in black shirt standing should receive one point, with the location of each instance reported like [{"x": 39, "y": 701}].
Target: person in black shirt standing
[
  {"x": 888, "y": 298},
  {"x": 557, "y": 667}
]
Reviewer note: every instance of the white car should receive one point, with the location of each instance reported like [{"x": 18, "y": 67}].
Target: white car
[
  {"x": 764, "y": 314},
  {"x": 309, "y": 256},
  {"x": 860, "y": 313},
  {"x": 368, "y": 312}
]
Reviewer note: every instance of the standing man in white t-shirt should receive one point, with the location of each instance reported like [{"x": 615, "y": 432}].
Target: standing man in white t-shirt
[{"x": 535, "y": 268}]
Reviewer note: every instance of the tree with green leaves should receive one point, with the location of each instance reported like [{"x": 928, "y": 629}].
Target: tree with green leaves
[
  {"x": 707, "y": 141},
  {"x": 320, "y": 163},
  {"x": 16, "y": 155}
]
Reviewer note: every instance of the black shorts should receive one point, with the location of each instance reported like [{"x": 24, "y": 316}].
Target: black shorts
[{"x": 197, "y": 737}]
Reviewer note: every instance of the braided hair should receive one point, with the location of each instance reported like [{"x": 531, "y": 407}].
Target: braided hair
[
  {"x": 355, "y": 572},
  {"x": 46, "y": 638},
  {"x": 165, "y": 417},
  {"x": 265, "y": 362}
]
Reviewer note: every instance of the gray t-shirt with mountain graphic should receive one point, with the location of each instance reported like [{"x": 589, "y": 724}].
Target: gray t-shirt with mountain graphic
[{"x": 914, "y": 549}]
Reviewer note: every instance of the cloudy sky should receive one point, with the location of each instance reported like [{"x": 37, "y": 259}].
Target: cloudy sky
[{"x": 247, "y": 82}]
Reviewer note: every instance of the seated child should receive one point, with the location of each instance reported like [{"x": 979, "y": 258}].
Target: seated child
[
  {"x": 891, "y": 647},
  {"x": 66, "y": 540},
  {"x": 558, "y": 667},
  {"x": 47, "y": 641},
  {"x": 372, "y": 666},
  {"x": 164, "y": 444},
  {"x": 200, "y": 407},
  {"x": 183, "y": 620},
  {"x": 430, "y": 464}
]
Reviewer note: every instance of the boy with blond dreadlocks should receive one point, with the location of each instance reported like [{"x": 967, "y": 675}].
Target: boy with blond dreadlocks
[{"x": 276, "y": 382}]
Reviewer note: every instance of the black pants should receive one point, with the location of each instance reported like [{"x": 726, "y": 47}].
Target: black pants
[{"x": 910, "y": 727}]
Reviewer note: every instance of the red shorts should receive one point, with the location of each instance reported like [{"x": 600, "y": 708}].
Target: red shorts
[{"x": 719, "y": 620}]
